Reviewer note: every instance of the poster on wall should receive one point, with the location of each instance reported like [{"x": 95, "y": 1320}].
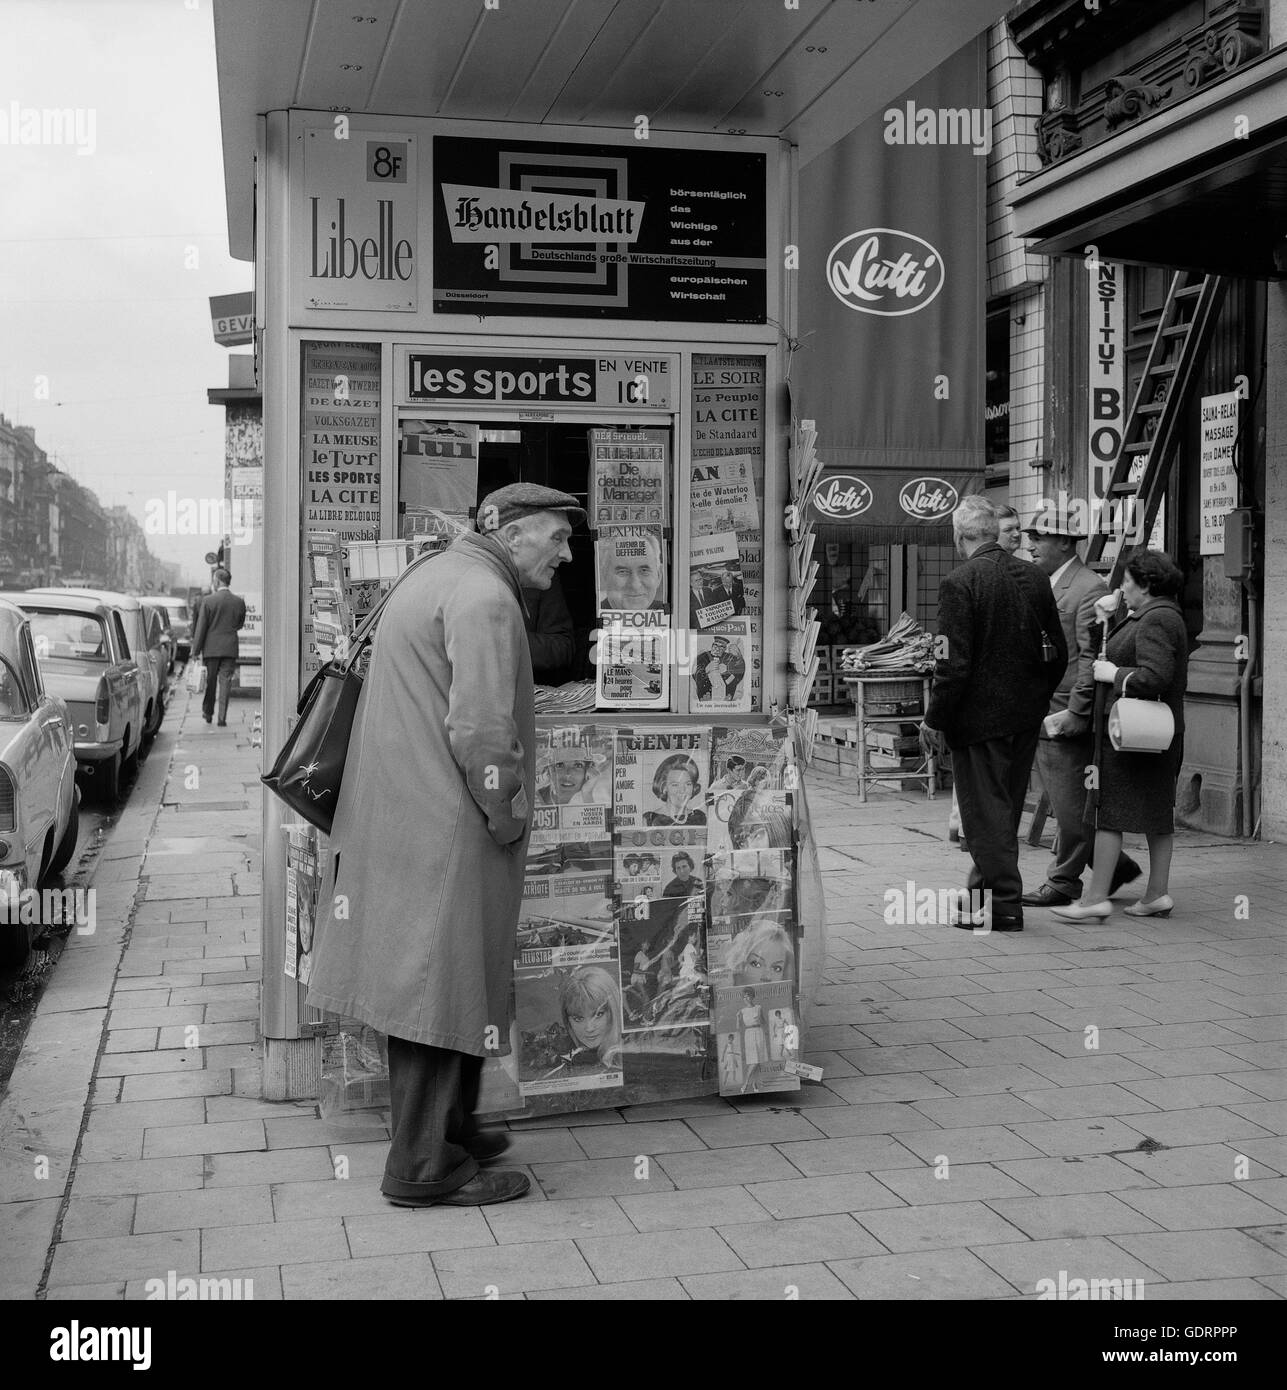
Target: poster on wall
[
  {"x": 361, "y": 208},
  {"x": 716, "y": 591},
  {"x": 728, "y": 412},
  {"x": 1219, "y": 483},
  {"x": 718, "y": 668},
  {"x": 632, "y": 659},
  {"x": 624, "y": 231},
  {"x": 438, "y": 465},
  {"x": 340, "y": 463},
  {"x": 722, "y": 495},
  {"x": 629, "y": 477}
]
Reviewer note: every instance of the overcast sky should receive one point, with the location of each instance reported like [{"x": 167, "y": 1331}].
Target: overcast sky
[{"x": 108, "y": 257}]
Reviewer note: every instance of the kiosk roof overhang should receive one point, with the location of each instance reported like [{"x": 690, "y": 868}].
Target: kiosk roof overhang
[
  {"x": 1201, "y": 185},
  {"x": 808, "y": 75}
]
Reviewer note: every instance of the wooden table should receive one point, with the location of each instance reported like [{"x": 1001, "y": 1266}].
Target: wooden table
[{"x": 867, "y": 690}]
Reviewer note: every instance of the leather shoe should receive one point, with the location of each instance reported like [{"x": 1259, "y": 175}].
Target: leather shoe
[
  {"x": 501, "y": 1185},
  {"x": 1127, "y": 871},
  {"x": 488, "y": 1145},
  {"x": 1046, "y": 896},
  {"x": 207, "y": 717}
]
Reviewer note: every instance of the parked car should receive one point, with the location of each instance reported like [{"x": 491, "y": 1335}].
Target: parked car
[
  {"x": 158, "y": 620},
  {"x": 85, "y": 659},
  {"x": 39, "y": 803},
  {"x": 180, "y": 622},
  {"x": 145, "y": 647}
]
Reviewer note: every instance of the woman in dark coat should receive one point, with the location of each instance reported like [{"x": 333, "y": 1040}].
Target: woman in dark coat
[{"x": 1147, "y": 658}]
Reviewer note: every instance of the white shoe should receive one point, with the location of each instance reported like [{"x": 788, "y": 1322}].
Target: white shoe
[{"x": 1159, "y": 907}]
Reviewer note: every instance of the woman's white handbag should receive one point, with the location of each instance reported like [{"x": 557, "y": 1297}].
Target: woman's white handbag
[{"x": 1140, "y": 726}]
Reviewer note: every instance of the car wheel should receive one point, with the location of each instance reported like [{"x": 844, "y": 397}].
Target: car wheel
[
  {"x": 107, "y": 780},
  {"x": 67, "y": 845},
  {"x": 130, "y": 765}
]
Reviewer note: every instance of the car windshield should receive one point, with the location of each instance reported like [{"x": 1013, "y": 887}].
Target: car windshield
[
  {"x": 13, "y": 703},
  {"x": 69, "y": 636}
]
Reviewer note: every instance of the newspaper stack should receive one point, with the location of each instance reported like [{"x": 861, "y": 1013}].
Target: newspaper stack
[
  {"x": 905, "y": 647},
  {"x": 572, "y": 698}
]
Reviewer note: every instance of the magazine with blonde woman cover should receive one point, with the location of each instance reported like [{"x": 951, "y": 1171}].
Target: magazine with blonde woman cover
[{"x": 569, "y": 1029}]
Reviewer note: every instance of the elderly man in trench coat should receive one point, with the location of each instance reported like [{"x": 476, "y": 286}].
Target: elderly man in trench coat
[{"x": 418, "y": 917}]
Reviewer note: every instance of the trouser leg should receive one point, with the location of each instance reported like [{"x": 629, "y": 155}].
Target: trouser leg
[
  {"x": 226, "y": 669},
  {"x": 213, "y": 665},
  {"x": 432, "y": 1094},
  {"x": 1061, "y": 764},
  {"x": 986, "y": 775}
]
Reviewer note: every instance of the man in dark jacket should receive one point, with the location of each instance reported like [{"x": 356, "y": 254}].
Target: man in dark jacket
[
  {"x": 1064, "y": 750},
  {"x": 1003, "y": 655},
  {"x": 550, "y": 634},
  {"x": 221, "y": 615}
]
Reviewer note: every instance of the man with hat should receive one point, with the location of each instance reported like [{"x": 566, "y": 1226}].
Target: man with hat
[
  {"x": 729, "y": 654},
  {"x": 418, "y": 918},
  {"x": 1064, "y": 749}
]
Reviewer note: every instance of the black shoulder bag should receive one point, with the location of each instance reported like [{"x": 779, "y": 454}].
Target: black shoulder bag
[{"x": 309, "y": 770}]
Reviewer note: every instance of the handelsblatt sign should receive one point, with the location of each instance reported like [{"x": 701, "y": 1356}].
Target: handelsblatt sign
[
  {"x": 639, "y": 381},
  {"x": 609, "y": 231}
]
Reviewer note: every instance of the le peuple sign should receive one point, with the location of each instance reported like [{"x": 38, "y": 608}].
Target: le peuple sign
[{"x": 360, "y": 213}]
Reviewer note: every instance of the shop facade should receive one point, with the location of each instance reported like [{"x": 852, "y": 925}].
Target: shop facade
[{"x": 1162, "y": 140}]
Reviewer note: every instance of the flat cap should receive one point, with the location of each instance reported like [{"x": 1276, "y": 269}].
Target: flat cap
[{"x": 518, "y": 500}]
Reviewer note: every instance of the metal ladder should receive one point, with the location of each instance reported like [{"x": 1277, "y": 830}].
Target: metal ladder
[
  {"x": 1150, "y": 439},
  {"x": 1151, "y": 435}
]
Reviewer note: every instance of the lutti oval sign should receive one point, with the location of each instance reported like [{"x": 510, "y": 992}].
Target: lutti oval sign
[
  {"x": 842, "y": 496},
  {"x": 884, "y": 271},
  {"x": 928, "y": 499}
]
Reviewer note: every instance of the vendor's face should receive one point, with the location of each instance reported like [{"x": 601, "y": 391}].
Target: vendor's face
[
  {"x": 569, "y": 778},
  {"x": 767, "y": 964},
  {"x": 590, "y": 1025},
  {"x": 679, "y": 787},
  {"x": 632, "y": 581},
  {"x": 539, "y": 545}
]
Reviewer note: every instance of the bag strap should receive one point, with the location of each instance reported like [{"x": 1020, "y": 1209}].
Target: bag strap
[
  {"x": 365, "y": 632},
  {"x": 1032, "y": 612}
]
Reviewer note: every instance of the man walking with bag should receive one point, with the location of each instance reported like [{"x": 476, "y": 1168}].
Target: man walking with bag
[
  {"x": 1004, "y": 656},
  {"x": 1064, "y": 750},
  {"x": 418, "y": 916},
  {"x": 219, "y": 618}
]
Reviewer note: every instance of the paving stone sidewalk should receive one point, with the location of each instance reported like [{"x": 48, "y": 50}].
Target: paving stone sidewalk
[{"x": 1105, "y": 1100}]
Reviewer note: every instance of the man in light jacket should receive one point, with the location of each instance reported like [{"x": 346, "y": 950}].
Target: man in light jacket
[
  {"x": 1064, "y": 750},
  {"x": 219, "y": 618},
  {"x": 418, "y": 916}
]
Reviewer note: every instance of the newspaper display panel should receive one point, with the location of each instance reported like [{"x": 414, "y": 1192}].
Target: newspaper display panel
[{"x": 726, "y": 493}]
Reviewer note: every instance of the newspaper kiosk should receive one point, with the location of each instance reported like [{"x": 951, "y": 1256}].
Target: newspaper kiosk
[{"x": 447, "y": 309}]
